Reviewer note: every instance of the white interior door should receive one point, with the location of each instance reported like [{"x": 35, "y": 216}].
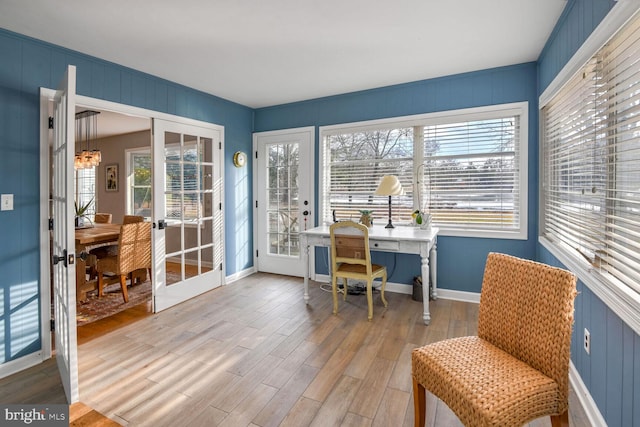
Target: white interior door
[
  {"x": 283, "y": 184},
  {"x": 63, "y": 240},
  {"x": 187, "y": 208}
]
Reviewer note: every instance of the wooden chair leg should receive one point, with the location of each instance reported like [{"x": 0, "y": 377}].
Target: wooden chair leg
[
  {"x": 123, "y": 285},
  {"x": 561, "y": 420},
  {"x": 100, "y": 284},
  {"x": 384, "y": 284},
  {"x": 369, "y": 300},
  {"x": 419, "y": 404},
  {"x": 334, "y": 291}
]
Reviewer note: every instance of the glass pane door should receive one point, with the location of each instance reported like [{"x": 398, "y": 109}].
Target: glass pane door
[{"x": 190, "y": 226}]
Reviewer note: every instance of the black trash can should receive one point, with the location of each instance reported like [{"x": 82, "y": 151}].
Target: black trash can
[{"x": 417, "y": 289}]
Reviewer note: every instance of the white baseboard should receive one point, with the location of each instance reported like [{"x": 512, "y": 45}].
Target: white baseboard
[
  {"x": 588, "y": 404},
  {"x": 239, "y": 275},
  {"x": 17, "y": 365},
  {"x": 401, "y": 288},
  {"x": 463, "y": 296}
]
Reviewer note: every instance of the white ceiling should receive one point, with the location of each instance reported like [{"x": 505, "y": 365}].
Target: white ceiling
[{"x": 261, "y": 53}]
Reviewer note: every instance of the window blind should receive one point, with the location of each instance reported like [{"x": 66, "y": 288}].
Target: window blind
[
  {"x": 354, "y": 165},
  {"x": 471, "y": 173},
  {"x": 591, "y": 161}
]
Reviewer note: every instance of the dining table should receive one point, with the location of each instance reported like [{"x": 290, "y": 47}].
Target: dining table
[{"x": 87, "y": 238}]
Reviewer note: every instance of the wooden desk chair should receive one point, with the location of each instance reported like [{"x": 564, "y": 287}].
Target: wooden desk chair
[
  {"x": 351, "y": 259},
  {"x": 517, "y": 368},
  {"x": 134, "y": 252}
]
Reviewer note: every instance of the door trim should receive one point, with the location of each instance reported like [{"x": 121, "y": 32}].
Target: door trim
[
  {"x": 46, "y": 96},
  {"x": 311, "y": 130}
]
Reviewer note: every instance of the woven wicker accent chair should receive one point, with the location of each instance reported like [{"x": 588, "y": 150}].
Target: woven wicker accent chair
[
  {"x": 517, "y": 368},
  {"x": 351, "y": 259},
  {"x": 134, "y": 252}
]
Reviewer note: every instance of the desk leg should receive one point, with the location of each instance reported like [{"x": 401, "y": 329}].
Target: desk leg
[
  {"x": 424, "y": 270},
  {"x": 433, "y": 260},
  {"x": 305, "y": 261}
]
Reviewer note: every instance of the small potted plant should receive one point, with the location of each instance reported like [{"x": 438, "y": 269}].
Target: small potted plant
[
  {"x": 81, "y": 213},
  {"x": 365, "y": 217}
]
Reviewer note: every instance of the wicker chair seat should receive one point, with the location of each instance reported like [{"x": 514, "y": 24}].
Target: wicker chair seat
[
  {"x": 361, "y": 269},
  {"x": 513, "y": 394}
]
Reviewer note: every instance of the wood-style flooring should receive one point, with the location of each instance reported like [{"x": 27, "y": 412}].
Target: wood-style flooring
[{"x": 253, "y": 354}]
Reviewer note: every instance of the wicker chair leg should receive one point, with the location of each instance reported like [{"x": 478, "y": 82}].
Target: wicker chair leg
[
  {"x": 123, "y": 285},
  {"x": 419, "y": 404},
  {"x": 561, "y": 420}
]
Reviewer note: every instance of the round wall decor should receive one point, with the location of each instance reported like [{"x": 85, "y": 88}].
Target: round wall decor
[{"x": 239, "y": 159}]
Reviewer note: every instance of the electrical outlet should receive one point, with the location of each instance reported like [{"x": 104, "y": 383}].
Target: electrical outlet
[{"x": 587, "y": 341}]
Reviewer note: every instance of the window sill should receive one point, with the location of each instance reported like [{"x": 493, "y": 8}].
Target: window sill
[{"x": 621, "y": 300}]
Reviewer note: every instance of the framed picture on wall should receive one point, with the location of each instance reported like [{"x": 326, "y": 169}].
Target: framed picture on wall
[{"x": 111, "y": 177}]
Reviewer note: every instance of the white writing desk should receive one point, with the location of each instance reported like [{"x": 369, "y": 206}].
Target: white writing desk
[{"x": 401, "y": 239}]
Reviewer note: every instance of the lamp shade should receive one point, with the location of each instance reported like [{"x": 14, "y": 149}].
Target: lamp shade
[{"x": 389, "y": 186}]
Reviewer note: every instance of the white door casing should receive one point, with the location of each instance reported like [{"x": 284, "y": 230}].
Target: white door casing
[
  {"x": 283, "y": 189},
  {"x": 187, "y": 211},
  {"x": 63, "y": 239}
]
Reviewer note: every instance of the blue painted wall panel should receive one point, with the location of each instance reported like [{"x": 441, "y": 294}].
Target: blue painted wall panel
[
  {"x": 27, "y": 64},
  {"x": 612, "y": 371},
  {"x": 487, "y": 87}
]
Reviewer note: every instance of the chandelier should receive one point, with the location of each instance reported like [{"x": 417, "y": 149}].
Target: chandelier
[{"x": 86, "y": 132}]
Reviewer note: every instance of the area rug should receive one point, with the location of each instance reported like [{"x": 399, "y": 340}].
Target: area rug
[{"x": 95, "y": 308}]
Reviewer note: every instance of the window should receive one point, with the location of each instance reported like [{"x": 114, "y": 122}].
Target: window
[
  {"x": 86, "y": 189},
  {"x": 467, "y": 168},
  {"x": 139, "y": 180},
  {"x": 591, "y": 167}
]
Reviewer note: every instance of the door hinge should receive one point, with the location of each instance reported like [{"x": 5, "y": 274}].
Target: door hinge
[
  {"x": 50, "y": 224},
  {"x": 256, "y": 203},
  {"x": 220, "y": 266},
  {"x": 220, "y": 206},
  {"x": 256, "y": 154},
  {"x": 52, "y": 325},
  {"x": 219, "y": 145},
  {"x": 256, "y": 253},
  {"x": 50, "y": 122}
]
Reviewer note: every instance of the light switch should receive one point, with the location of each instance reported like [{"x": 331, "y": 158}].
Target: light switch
[{"x": 6, "y": 202}]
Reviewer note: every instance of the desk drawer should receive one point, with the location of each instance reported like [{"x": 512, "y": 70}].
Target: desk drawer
[{"x": 384, "y": 245}]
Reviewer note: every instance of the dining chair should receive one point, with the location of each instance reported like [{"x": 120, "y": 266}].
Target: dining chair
[
  {"x": 517, "y": 368},
  {"x": 102, "y": 218},
  {"x": 131, "y": 219},
  {"x": 107, "y": 250},
  {"x": 134, "y": 252},
  {"x": 351, "y": 259}
]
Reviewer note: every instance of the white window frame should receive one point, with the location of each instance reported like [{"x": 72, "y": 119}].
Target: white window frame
[
  {"x": 451, "y": 116},
  {"x": 620, "y": 299},
  {"x": 129, "y": 168}
]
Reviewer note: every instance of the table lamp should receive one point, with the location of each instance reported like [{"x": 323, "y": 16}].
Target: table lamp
[{"x": 389, "y": 186}]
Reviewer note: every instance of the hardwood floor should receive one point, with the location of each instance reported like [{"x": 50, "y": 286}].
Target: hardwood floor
[{"x": 253, "y": 354}]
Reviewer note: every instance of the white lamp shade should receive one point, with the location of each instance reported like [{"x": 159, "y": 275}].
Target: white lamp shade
[{"x": 389, "y": 186}]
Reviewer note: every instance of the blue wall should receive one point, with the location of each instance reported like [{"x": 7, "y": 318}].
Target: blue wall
[
  {"x": 612, "y": 371},
  {"x": 496, "y": 86},
  {"x": 25, "y": 66}
]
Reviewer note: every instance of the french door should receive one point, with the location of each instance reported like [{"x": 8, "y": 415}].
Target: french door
[
  {"x": 63, "y": 240},
  {"x": 187, "y": 210},
  {"x": 283, "y": 184}
]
